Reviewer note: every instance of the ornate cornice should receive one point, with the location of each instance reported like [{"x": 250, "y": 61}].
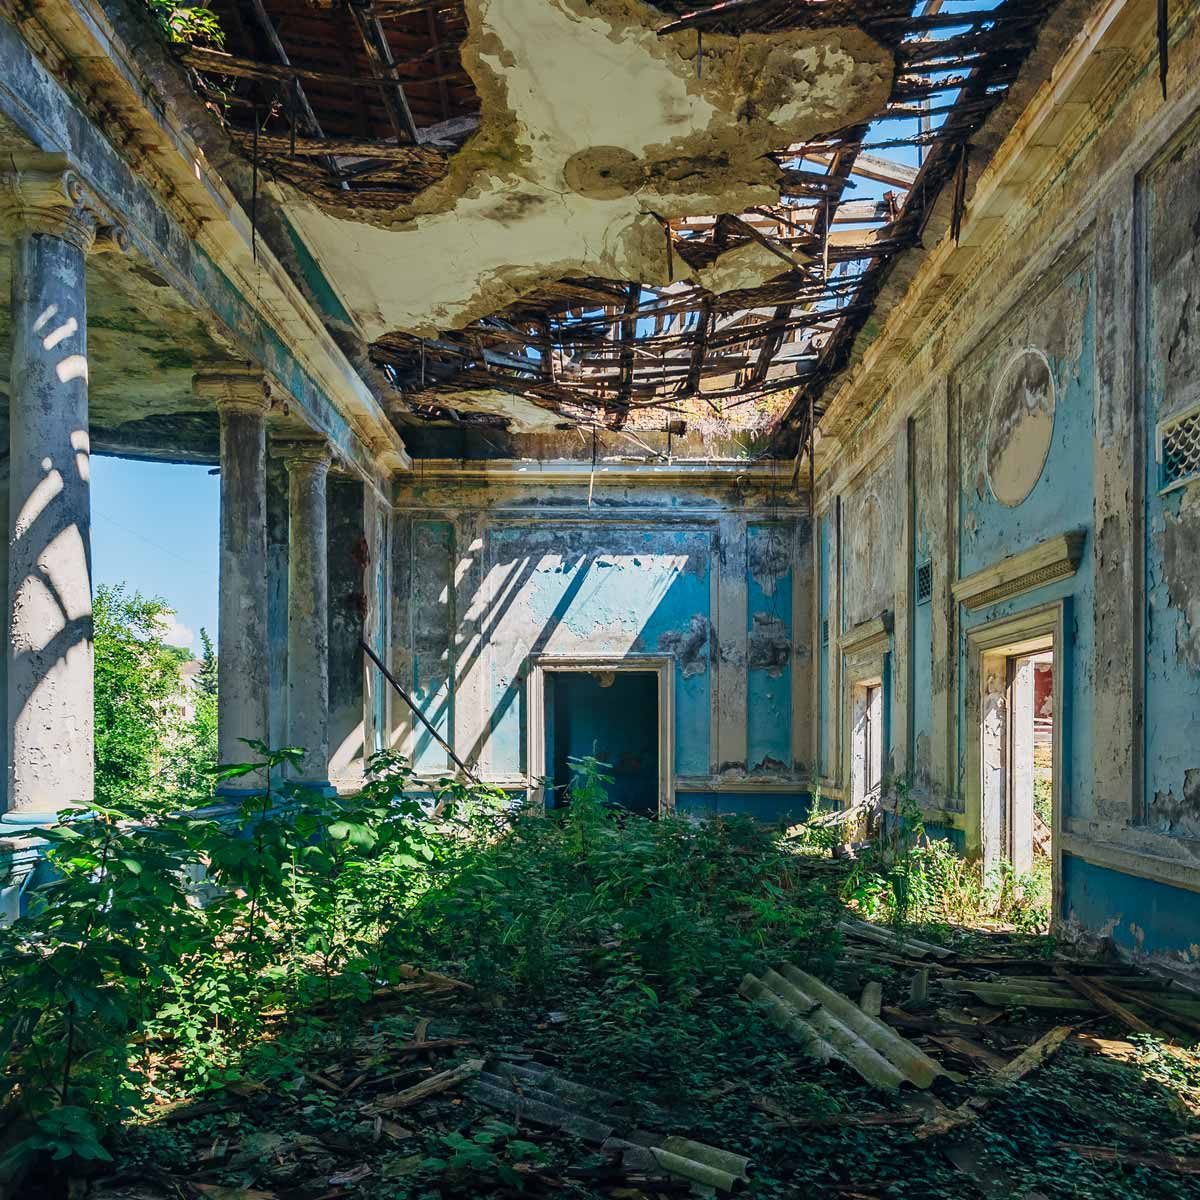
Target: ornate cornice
[
  {"x": 935, "y": 306},
  {"x": 233, "y": 387},
  {"x": 1049, "y": 561}
]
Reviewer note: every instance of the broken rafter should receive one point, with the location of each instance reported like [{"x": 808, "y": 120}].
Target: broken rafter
[
  {"x": 628, "y": 332},
  {"x": 383, "y": 67},
  {"x": 881, "y": 170}
]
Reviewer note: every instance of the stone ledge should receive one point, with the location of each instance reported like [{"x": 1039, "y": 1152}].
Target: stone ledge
[
  {"x": 867, "y": 635},
  {"x": 1172, "y": 872},
  {"x": 1049, "y": 561}
]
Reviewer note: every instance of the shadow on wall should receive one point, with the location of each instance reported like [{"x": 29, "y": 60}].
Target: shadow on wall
[{"x": 576, "y": 589}]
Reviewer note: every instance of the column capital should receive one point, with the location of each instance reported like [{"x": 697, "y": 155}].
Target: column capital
[
  {"x": 43, "y": 193},
  {"x": 300, "y": 452},
  {"x": 233, "y": 387}
]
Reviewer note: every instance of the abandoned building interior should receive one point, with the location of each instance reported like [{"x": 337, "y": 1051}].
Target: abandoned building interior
[{"x": 786, "y": 403}]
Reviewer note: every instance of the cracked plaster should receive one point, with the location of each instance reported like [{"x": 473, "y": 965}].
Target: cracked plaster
[{"x": 592, "y": 128}]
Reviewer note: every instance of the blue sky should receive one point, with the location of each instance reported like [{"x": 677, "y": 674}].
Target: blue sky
[{"x": 155, "y": 528}]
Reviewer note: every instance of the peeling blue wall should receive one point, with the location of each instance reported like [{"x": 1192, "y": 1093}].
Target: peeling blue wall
[
  {"x": 486, "y": 588},
  {"x": 1062, "y": 326},
  {"x": 432, "y": 682},
  {"x": 602, "y": 591},
  {"x": 1172, "y": 527},
  {"x": 1141, "y": 914},
  {"x": 769, "y": 633},
  {"x": 764, "y": 806}
]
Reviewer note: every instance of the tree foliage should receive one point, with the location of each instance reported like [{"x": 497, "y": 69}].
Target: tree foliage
[{"x": 144, "y": 745}]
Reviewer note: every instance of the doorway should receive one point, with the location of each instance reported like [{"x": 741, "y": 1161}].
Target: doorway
[
  {"x": 866, "y": 751},
  {"x": 1030, "y": 800},
  {"x": 1019, "y": 741},
  {"x": 1017, "y": 783},
  {"x": 612, "y": 716}
]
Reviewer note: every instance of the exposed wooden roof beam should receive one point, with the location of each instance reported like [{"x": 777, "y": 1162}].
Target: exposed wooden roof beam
[{"x": 871, "y": 166}]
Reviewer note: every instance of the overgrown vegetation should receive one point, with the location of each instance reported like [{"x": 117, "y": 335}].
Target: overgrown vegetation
[
  {"x": 284, "y": 1011},
  {"x": 905, "y": 876}
]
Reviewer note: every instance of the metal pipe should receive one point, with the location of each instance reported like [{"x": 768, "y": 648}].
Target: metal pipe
[{"x": 441, "y": 741}]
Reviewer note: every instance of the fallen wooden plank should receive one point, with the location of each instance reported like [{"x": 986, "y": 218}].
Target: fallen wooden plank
[
  {"x": 442, "y": 1082},
  {"x": 972, "y": 1050},
  {"x": 1164, "y": 1162},
  {"x": 1159, "y": 1010},
  {"x": 1034, "y": 1056},
  {"x": 1102, "y": 1000},
  {"x": 971, "y": 1110}
]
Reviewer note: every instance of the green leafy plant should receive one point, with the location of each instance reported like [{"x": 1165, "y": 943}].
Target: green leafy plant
[
  {"x": 192, "y": 24},
  {"x": 119, "y": 981},
  {"x": 493, "y": 1153}
]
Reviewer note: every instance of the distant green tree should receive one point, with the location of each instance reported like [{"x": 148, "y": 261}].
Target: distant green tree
[
  {"x": 192, "y": 758},
  {"x": 206, "y": 680},
  {"x": 138, "y": 692}
]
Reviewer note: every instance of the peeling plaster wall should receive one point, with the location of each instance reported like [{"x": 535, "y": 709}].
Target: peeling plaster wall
[
  {"x": 1169, "y": 197},
  {"x": 1051, "y": 326},
  {"x": 1029, "y": 378},
  {"x": 870, "y": 521},
  {"x": 487, "y": 576},
  {"x": 921, "y": 635},
  {"x": 769, "y": 654}
]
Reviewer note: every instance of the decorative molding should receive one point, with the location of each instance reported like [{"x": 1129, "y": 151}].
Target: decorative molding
[
  {"x": 1100, "y": 852},
  {"x": 733, "y": 472},
  {"x": 302, "y": 452},
  {"x": 867, "y": 636},
  {"x": 1049, "y": 561}
]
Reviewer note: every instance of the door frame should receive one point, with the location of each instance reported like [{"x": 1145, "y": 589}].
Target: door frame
[
  {"x": 989, "y": 647},
  {"x": 661, "y": 665}
]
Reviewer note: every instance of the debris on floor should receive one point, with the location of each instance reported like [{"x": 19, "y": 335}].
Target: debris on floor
[
  {"x": 828, "y": 1025},
  {"x": 463, "y": 1098}
]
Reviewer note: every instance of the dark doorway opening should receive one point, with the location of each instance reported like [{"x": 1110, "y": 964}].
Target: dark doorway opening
[{"x": 613, "y": 716}]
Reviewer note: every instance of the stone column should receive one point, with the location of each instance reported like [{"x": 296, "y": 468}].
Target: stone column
[
  {"x": 240, "y": 393},
  {"x": 53, "y": 223},
  {"x": 307, "y": 465}
]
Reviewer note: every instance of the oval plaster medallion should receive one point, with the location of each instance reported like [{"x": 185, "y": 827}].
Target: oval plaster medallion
[{"x": 1020, "y": 426}]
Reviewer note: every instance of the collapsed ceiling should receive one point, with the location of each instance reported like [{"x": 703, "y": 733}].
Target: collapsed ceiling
[{"x": 546, "y": 213}]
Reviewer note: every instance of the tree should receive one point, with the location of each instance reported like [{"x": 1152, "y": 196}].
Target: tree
[
  {"x": 145, "y": 749},
  {"x": 138, "y": 683},
  {"x": 206, "y": 680}
]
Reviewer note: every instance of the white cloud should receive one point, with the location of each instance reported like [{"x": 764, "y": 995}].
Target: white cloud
[{"x": 176, "y": 634}]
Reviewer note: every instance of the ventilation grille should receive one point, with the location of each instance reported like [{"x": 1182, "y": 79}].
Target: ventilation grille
[
  {"x": 924, "y": 582},
  {"x": 1179, "y": 450},
  {"x": 825, "y": 632}
]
